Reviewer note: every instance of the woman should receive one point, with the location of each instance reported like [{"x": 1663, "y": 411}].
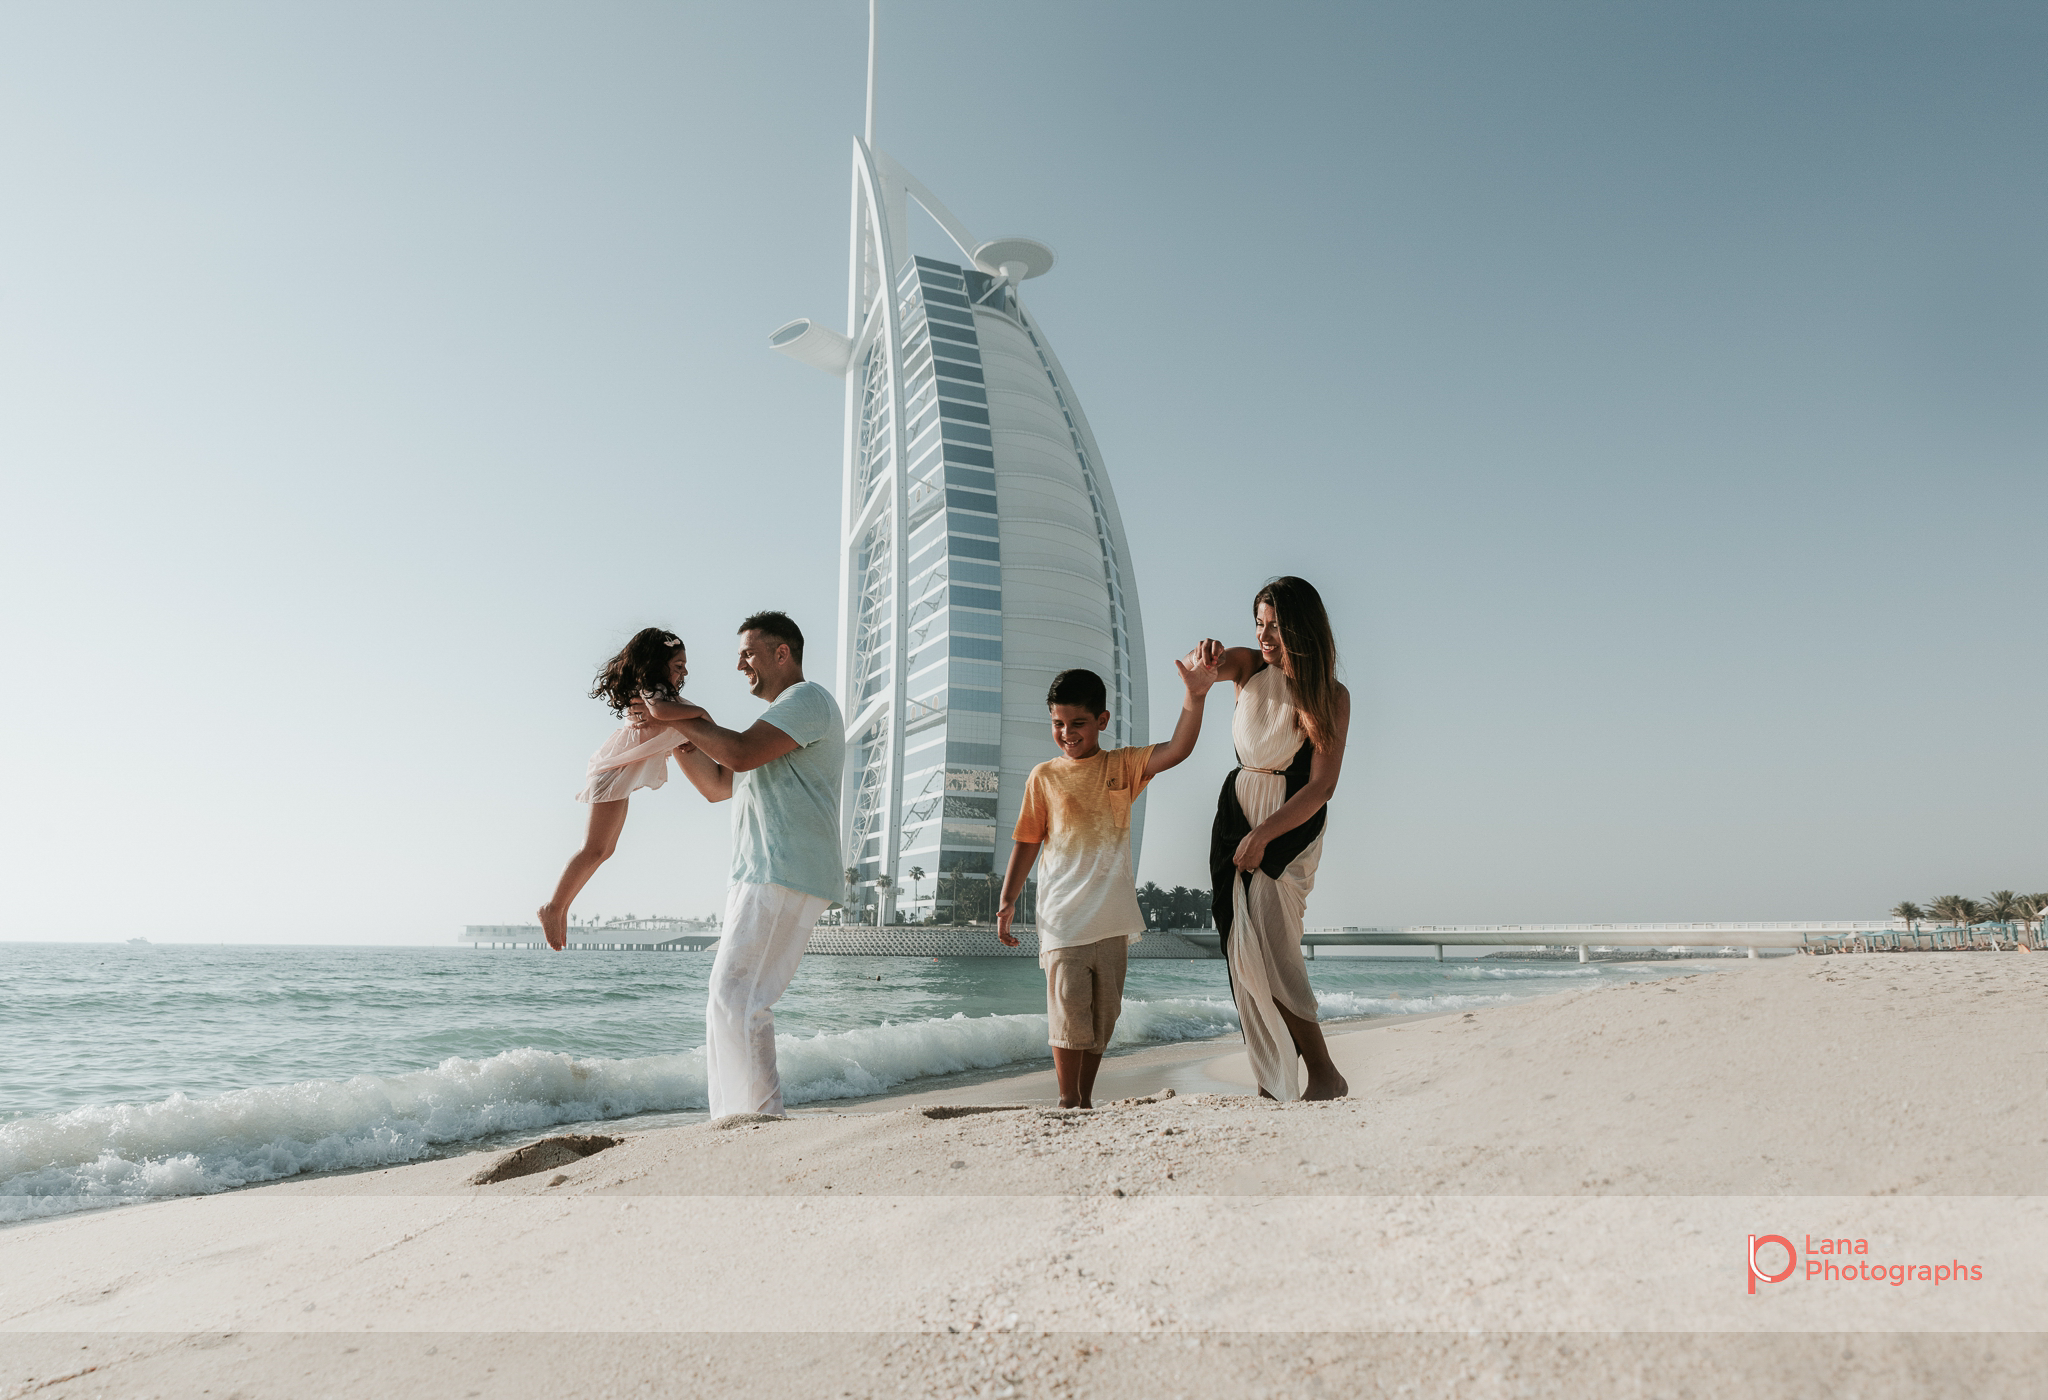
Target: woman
[{"x": 1289, "y": 728}]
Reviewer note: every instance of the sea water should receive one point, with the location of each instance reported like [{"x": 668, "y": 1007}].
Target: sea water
[{"x": 131, "y": 1071}]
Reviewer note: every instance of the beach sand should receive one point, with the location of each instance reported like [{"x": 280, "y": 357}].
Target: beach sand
[{"x": 1550, "y": 1198}]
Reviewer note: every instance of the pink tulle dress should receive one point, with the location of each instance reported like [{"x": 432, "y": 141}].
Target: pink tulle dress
[{"x": 631, "y": 759}]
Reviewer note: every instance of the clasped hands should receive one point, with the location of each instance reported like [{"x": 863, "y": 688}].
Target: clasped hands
[
  {"x": 1198, "y": 668},
  {"x": 646, "y": 714}
]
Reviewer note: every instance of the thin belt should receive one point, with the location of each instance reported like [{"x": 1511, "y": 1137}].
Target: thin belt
[{"x": 1276, "y": 772}]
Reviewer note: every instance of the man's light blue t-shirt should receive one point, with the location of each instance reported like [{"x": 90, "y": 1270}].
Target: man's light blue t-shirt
[{"x": 785, "y": 814}]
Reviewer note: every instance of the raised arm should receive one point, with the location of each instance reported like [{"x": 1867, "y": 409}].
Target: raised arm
[
  {"x": 671, "y": 711},
  {"x": 708, "y": 776},
  {"x": 740, "y": 753},
  {"x": 1196, "y": 675},
  {"x": 1234, "y": 664},
  {"x": 1324, "y": 768}
]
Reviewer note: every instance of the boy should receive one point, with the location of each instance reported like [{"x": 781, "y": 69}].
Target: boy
[{"x": 1078, "y": 808}]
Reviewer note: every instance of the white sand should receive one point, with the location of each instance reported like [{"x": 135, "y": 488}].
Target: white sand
[{"x": 1550, "y": 1198}]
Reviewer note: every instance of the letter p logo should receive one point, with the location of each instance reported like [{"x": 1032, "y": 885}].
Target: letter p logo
[{"x": 1755, "y": 1273}]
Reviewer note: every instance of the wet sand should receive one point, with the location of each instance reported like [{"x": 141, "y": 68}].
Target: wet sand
[{"x": 1550, "y": 1198}]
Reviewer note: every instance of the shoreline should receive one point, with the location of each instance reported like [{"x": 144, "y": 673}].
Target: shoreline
[
  {"x": 1514, "y": 1187},
  {"x": 1180, "y": 1065},
  {"x": 1185, "y": 1066}
]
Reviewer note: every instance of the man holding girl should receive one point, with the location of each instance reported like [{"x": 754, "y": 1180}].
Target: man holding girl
[{"x": 782, "y": 776}]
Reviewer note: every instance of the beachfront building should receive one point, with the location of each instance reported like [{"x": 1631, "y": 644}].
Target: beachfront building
[{"x": 981, "y": 550}]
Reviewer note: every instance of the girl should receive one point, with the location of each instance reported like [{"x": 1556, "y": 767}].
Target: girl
[{"x": 651, "y": 668}]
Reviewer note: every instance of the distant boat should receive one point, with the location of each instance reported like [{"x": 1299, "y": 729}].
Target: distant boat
[{"x": 143, "y": 941}]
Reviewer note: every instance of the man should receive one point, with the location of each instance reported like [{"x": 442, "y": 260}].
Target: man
[{"x": 782, "y": 776}]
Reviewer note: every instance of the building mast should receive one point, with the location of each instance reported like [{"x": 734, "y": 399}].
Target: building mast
[{"x": 874, "y": 16}]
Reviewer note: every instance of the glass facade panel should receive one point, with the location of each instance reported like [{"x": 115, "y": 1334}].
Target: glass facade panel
[
  {"x": 976, "y": 673},
  {"x": 977, "y": 478},
  {"x": 980, "y": 648}
]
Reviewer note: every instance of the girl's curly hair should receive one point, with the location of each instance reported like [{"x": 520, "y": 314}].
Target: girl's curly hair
[{"x": 641, "y": 665}]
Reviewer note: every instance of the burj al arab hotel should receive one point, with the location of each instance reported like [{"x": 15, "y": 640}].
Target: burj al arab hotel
[{"x": 981, "y": 550}]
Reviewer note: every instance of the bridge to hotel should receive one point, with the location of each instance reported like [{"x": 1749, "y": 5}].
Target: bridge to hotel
[
  {"x": 620, "y": 935},
  {"x": 1585, "y": 937},
  {"x": 928, "y": 940}
]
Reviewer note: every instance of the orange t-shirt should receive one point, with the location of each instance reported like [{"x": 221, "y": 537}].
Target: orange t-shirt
[{"x": 1080, "y": 809}]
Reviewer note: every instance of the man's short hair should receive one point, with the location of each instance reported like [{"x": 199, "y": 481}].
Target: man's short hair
[
  {"x": 778, "y": 626},
  {"x": 1077, "y": 687}
]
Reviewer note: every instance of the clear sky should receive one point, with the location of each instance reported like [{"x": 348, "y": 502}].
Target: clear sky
[{"x": 1657, "y": 393}]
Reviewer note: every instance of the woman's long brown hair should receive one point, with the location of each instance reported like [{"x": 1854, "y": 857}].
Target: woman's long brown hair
[{"x": 1311, "y": 651}]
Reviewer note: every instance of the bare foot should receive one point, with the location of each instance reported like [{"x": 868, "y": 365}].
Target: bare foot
[
  {"x": 1332, "y": 1086},
  {"x": 554, "y": 926}
]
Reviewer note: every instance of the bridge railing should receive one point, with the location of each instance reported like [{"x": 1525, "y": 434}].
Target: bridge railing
[{"x": 1785, "y": 934}]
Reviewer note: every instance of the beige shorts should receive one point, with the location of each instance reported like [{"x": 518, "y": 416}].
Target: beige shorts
[{"x": 1084, "y": 992}]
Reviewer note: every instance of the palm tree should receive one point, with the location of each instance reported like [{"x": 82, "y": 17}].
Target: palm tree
[
  {"x": 966, "y": 903},
  {"x": 958, "y": 867},
  {"x": 2002, "y": 907},
  {"x": 1949, "y": 909},
  {"x": 1958, "y": 911},
  {"x": 849, "y": 907},
  {"x": 916, "y": 873},
  {"x": 1973, "y": 914},
  {"x": 2037, "y": 910},
  {"x": 883, "y": 884},
  {"x": 1912, "y": 914}
]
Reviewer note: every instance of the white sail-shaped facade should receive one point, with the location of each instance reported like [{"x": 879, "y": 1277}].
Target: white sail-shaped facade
[{"x": 981, "y": 553}]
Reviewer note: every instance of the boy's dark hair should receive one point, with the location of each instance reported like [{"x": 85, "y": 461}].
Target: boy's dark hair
[
  {"x": 642, "y": 664},
  {"x": 778, "y": 627},
  {"x": 1077, "y": 687}
]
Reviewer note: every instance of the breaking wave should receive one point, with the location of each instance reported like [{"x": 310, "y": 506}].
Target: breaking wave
[{"x": 108, "y": 1154}]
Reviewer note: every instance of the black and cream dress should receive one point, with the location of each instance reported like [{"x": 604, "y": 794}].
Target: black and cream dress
[{"x": 1260, "y": 914}]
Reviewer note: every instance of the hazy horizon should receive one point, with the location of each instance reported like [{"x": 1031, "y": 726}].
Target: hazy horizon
[{"x": 1655, "y": 395}]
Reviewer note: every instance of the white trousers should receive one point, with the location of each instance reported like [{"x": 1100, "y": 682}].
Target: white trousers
[{"x": 766, "y": 930}]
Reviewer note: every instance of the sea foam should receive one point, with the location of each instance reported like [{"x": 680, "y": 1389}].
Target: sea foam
[{"x": 107, "y": 1154}]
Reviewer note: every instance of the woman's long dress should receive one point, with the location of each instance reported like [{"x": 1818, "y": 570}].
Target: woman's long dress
[{"x": 1260, "y": 914}]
